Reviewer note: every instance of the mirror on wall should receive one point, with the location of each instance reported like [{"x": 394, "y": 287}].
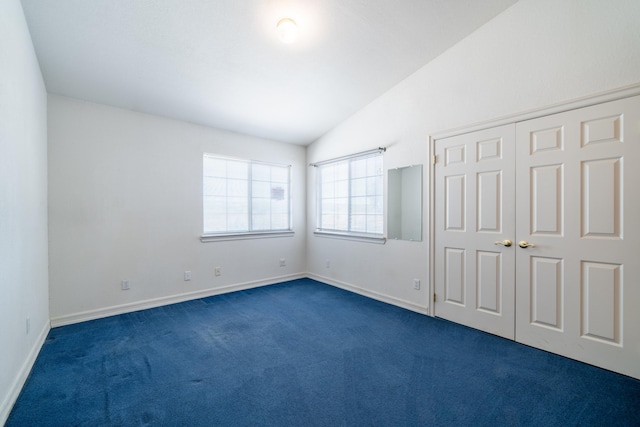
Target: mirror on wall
[{"x": 404, "y": 201}]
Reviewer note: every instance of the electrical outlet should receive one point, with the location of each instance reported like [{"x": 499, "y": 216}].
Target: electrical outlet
[
  {"x": 125, "y": 285},
  {"x": 416, "y": 284},
  {"x": 217, "y": 271},
  {"x": 28, "y": 325},
  {"x": 187, "y": 276},
  {"x": 327, "y": 264},
  {"x": 283, "y": 262}
]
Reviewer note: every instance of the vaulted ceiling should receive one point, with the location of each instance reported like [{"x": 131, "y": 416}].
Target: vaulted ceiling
[{"x": 219, "y": 63}]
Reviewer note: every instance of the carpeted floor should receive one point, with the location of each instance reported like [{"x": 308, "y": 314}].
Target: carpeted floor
[{"x": 303, "y": 353}]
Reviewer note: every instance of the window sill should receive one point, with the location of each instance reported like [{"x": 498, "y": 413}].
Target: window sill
[
  {"x": 245, "y": 236},
  {"x": 367, "y": 238}
]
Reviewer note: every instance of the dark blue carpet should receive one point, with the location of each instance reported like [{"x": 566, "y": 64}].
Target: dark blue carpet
[{"x": 303, "y": 353}]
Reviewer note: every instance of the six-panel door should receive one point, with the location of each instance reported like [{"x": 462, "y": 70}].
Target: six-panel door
[
  {"x": 578, "y": 289},
  {"x": 573, "y": 218},
  {"x": 474, "y": 216}
]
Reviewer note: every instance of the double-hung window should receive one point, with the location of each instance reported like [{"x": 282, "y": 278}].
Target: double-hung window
[
  {"x": 245, "y": 197},
  {"x": 350, "y": 195}
]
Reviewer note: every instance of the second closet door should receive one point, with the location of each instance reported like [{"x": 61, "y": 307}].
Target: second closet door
[{"x": 578, "y": 288}]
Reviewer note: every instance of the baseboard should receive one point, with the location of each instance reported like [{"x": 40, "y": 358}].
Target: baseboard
[
  {"x": 173, "y": 299},
  {"x": 370, "y": 294},
  {"x": 22, "y": 375}
]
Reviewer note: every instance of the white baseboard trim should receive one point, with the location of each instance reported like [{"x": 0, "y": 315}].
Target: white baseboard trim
[
  {"x": 173, "y": 299},
  {"x": 370, "y": 294},
  {"x": 21, "y": 377}
]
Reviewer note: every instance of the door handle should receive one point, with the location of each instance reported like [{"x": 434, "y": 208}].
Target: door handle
[
  {"x": 506, "y": 243},
  {"x": 524, "y": 244}
]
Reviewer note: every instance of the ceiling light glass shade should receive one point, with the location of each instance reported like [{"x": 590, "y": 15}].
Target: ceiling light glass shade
[{"x": 287, "y": 30}]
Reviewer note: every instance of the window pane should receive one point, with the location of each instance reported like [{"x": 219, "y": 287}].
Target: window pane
[
  {"x": 342, "y": 188},
  {"x": 215, "y": 223},
  {"x": 280, "y": 222},
  {"x": 236, "y": 169},
  {"x": 359, "y": 187},
  {"x": 237, "y": 188},
  {"x": 327, "y": 221},
  {"x": 260, "y": 172},
  {"x": 350, "y": 195},
  {"x": 359, "y": 223},
  {"x": 359, "y": 205},
  {"x": 328, "y": 190},
  {"x": 358, "y": 168},
  {"x": 280, "y": 174},
  {"x": 242, "y": 196},
  {"x": 215, "y": 167},
  {"x": 260, "y": 207},
  {"x": 279, "y": 207},
  {"x": 215, "y": 186},
  {"x": 342, "y": 206},
  {"x": 237, "y": 205},
  {"x": 328, "y": 206},
  {"x": 342, "y": 171},
  {"x": 374, "y": 184},
  {"x": 215, "y": 205},
  {"x": 261, "y": 222},
  {"x": 342, "y": 222},
  {"x": 374, "y": 223},
  {"x": 237, "y": 222},
  {"x": 261, "y": 190}
]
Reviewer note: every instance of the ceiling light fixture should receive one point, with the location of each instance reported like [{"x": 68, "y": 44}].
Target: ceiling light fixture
[{"x": 287, "y": 30}]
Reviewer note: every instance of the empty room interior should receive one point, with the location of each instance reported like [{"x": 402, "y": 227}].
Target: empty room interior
[{"x": 456, "y": 169}]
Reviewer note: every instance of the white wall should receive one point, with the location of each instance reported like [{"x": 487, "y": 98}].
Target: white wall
[
  {"x": 125, "y": 202},
  {"x": 536, "y": 53},
  {"x": 23, "y": 205}
]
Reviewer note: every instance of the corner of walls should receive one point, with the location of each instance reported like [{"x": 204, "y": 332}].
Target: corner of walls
[
  {"x": 535, "y": 54},
  {"x": 125, "y": 203},
  {"x": 24, "y": 306},
  {"x": 371, "y": 294}
]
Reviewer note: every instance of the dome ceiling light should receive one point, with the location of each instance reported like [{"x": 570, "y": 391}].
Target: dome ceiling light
[{"x": 287, "y": 30}]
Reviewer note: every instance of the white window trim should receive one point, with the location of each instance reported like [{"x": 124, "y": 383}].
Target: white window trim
[
  {"x": 358, "y": 237},
  {"x": 207, "y": 238},
  {"x": 378, "y": 238}
]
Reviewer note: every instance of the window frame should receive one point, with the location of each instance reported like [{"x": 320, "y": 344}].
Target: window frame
[
  {"x": 251, "y": 232},
  {"x": 350, "y": 234}
]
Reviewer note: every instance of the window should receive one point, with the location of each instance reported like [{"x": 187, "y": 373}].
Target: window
[
  {"x": 350, "y": 195},
  {"x": 243, "y": 196}
]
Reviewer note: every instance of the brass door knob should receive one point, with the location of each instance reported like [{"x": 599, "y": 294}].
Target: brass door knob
[
  {"x": 524, "y": 244},
  {"x": 506, "y": 243}
]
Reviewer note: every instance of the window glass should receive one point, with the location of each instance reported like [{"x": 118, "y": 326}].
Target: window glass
[
  {"x": 350, "y": 195},
  {"x": 245, "y": 196}
]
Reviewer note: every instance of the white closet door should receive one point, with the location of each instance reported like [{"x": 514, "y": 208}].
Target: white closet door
[
  {"x": 475, "y": 208},
  {"x": 578, "y": 202}
]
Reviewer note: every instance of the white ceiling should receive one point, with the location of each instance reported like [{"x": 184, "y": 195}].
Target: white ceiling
[{"x": 219, "y": 63}]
